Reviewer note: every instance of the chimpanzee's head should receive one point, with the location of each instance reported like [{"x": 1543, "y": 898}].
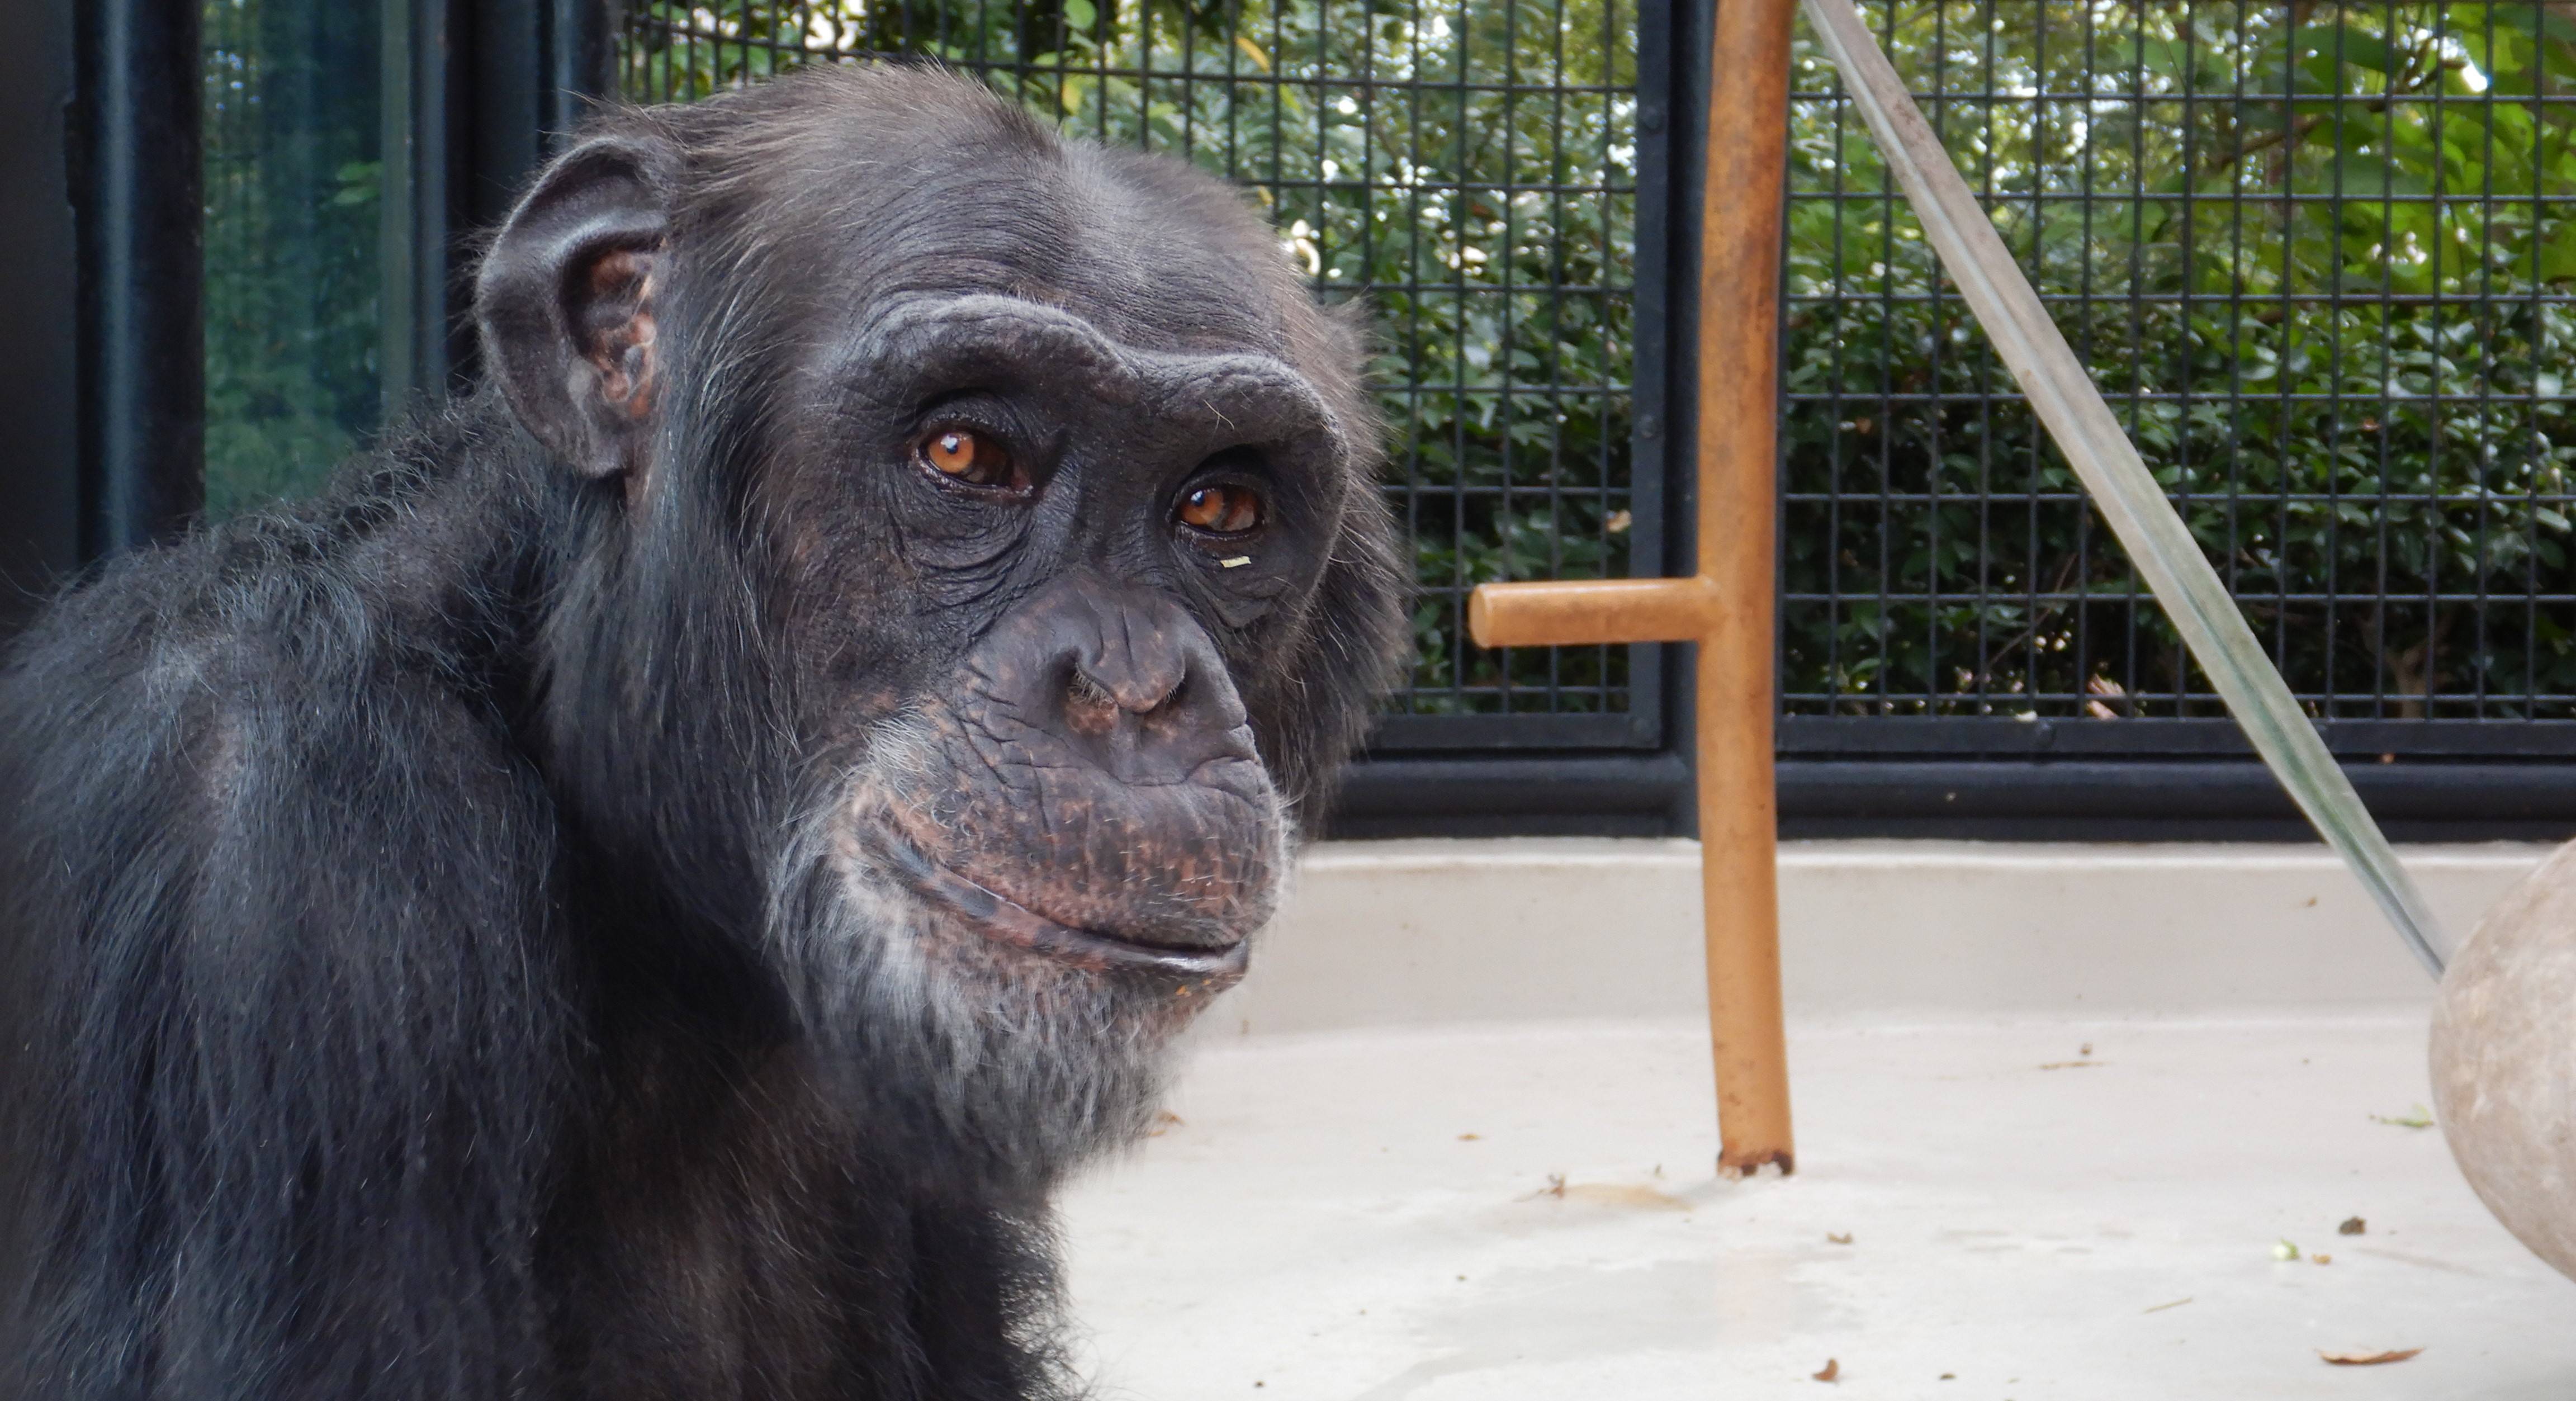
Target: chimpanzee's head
[{"x": 974, "y": 566}]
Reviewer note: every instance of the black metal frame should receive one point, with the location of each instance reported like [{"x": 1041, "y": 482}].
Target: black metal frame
[
  {"x": 101, "y": 377},
  {"x": 481, "y": 82},
  {"x": 101, "y": 261},
  {"x": 2162, "y": 780},
  {"x": 40, "y": 508},
  {"x": 141, "y": 270},
  {"x": 477, "y": 94},
  {"x": 1645, "y": 790}
]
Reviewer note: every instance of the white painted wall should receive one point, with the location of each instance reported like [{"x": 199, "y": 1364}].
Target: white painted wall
[{"x": 1389, "y": 933}]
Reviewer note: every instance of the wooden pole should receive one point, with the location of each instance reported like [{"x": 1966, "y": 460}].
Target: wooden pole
[
  {"x": 1739, "y": 338},
  {"x": 1727, "y": 606}
]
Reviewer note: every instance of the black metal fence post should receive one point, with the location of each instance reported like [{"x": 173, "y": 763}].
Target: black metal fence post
[
  {"x": 39, "y": 302},
  {"x": 141, "y": 249}
]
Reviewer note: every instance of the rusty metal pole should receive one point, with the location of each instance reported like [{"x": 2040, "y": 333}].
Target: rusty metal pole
[{"x": 1739, "y": 300}]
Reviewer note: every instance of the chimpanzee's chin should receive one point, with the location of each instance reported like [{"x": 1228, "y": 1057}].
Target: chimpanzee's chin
[{"x": 1010, "y": 1061}]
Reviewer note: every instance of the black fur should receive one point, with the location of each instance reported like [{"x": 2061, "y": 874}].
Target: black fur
[{"x": 442, "y": 961}]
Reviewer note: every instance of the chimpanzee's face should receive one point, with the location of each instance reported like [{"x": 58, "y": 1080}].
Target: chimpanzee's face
[
  {"x": 1063, "y": 546},
  {"x": 1056, "y": 487}
]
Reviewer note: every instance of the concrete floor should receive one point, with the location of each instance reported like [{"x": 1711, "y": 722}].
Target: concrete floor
[{"x": 1366, "y": 1215}]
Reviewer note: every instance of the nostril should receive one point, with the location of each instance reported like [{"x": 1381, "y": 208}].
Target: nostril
[
  {"x": 1138, "y": 695},
  {"x": 1088, "y": 707},
  {"x": 1087, "y": 692}
]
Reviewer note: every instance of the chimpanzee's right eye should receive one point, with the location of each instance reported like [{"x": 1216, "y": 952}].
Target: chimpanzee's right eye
[{"x": 971, "y": 456}]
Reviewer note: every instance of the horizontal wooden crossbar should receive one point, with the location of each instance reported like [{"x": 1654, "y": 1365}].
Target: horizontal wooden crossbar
[{"x": 1585, "y": 611}]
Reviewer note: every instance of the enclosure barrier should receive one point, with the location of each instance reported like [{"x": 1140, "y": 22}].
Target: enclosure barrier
[
  {"x": 2158, "y": 542},
  {"x": 1728, "y": 606}
]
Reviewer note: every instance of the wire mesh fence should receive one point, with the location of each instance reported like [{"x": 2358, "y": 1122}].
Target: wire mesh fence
[
  {"x": 292, "y": 301},
  {"x": 1469, "y": 168},
  {"x": 2319, "y": 258}
]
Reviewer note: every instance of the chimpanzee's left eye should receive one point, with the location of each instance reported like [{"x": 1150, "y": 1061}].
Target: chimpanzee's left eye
[
  {"x": 962, "y": 454},
  {"x": 1220, "y": 509}
]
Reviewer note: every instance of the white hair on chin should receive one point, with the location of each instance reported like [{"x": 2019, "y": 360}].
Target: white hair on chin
[{"x": 1021, "y": 1066}]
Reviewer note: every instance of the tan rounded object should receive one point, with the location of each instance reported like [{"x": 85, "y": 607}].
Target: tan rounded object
[{"x": 2504, "y": 1060}]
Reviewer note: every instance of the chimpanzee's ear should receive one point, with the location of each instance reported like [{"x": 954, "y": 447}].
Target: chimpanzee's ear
[{"x": 565, "y": 298}]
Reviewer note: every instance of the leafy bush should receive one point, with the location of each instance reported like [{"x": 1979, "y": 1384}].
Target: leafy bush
[{"x": 2328, "y": 293}]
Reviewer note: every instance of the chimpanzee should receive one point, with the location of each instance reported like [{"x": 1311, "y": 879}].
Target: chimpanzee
[{"x": 644, "y": 888}]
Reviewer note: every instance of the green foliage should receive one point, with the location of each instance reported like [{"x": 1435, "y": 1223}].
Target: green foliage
[
  {"x": 2330, "y": 296},
  {"x": 291, "y": 273},
  {"x": 1468, "y": 168}
]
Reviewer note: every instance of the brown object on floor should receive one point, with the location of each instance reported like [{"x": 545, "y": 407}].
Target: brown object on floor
[
  {"x": 2368, "y": 1359},
  {"x": 2504, "y": 1060}
]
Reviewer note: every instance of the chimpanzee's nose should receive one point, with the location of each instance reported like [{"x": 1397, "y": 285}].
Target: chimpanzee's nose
[
  {"x": 1129, "y": 680},
  {"x": 1139, "y": 674}
]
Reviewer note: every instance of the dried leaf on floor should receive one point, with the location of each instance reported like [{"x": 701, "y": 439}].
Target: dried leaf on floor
[
  {"x": 2421, "y": 1118},
  {"x": 2322, "y": 1258},
  {"x": 2368, "y": 1359},
  {"x": 1832, "y": 1371},
  {"x": 1469, "y": 1137},
  {"x": 1621, "y": 1194},
  {"x": 1608, "y": 1194},
  {"x": 2352, "y": 1226},
  {"x": 1838, "y": 1237}
]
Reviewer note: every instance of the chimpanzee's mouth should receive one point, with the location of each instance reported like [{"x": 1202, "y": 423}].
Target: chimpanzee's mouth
[{"x": 1013, "y": 923}]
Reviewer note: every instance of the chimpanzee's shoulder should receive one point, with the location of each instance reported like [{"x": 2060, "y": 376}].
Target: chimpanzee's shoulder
[
  {"x": 260, "y": 600},
  {"x": 400, "y": 566},
  {"x": 328, "y": 646}
]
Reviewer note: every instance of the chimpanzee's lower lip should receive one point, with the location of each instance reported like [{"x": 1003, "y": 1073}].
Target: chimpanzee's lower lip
[{"x": 1014, "y": 923}]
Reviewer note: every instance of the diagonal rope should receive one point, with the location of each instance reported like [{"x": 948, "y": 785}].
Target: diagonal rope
[{"x": 2127, "y": 494}]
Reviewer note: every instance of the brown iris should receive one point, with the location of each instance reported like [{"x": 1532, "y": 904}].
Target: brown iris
[
  {"x": 1220, "y": 510},
  {"x": 967, "y": 456}
]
